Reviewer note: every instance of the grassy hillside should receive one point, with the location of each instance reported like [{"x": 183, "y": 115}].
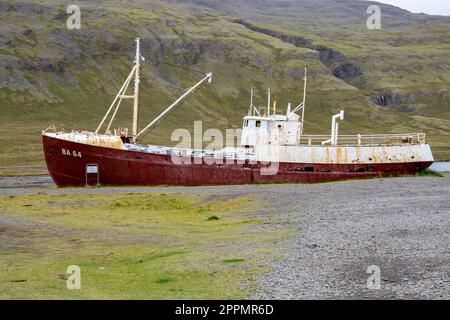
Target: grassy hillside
[{"x": 390, "y": 80}]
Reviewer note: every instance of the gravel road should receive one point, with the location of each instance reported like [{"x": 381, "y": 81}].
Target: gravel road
[{"x": 400, "y": 225}]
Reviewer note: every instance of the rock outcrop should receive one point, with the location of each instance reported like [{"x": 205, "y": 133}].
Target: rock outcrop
[{"x": 341, "y": 66}]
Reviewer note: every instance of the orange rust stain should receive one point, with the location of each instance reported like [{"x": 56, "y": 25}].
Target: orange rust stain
[
  {"x": 338, "y": 154},
  {"x": 327, "y": 155},
  {"x": 313, "y": 154},
  {"x": 384, "y": 155},
  {"x": 374, "y": 156},
  {"x": 109, "y": 143},
  {"x": 358, "y": 154},
  {"x": 345, "y": 155}
]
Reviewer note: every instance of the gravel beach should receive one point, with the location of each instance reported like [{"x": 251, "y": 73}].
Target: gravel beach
[{"x": 399, "y": 225}]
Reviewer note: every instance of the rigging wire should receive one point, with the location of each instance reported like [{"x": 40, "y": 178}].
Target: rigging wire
[
  {"x": 222, "y": 104},
  {"x": 223, "y": 107},
  {"x": 180, "y": 66},
  {"x": 213, "y": 86}
]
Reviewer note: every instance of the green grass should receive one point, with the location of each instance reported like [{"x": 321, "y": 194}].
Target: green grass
[
  {"x": 151, "y": 246},
  {"x": 233, "y": 261},
  {"x": 430, "y": 173},
  {"x": 23, "y": 171}
]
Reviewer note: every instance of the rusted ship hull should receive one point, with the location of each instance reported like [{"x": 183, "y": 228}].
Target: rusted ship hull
[{"x": 67, "y": 162}]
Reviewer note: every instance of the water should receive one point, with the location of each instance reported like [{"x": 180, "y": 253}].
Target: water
[{"x": 443, "y": 166}]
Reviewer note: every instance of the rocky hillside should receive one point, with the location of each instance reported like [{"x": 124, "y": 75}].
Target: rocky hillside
[{"x": 390, "y": 80}]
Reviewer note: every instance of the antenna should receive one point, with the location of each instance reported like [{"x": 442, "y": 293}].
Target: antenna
[
  {"x": 268, "y": 102},
  {"x": 302, "y": 105},
  {"x": 304, "y": 99},
  {"x": 250, "y": 109}
]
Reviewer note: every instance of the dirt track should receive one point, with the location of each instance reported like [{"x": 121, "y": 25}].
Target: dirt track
[{"x": 401, "y": 225}]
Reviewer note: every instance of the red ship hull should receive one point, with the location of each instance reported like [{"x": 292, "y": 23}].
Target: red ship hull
[{"x": 67, "y": 162}]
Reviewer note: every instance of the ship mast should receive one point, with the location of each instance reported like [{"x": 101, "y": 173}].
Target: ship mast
[
  {"x": 137, "y": 81},
  {"x": 304, "y": 101},
  {"x": 122, "y": 95},
  {"x": 302, "y": 105}
]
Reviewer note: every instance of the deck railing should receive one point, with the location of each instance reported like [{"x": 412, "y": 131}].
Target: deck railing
[{"x": 370, "y": 140}]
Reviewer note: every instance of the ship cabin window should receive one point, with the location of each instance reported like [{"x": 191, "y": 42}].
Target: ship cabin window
[{"x": 254, "y": 124}]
